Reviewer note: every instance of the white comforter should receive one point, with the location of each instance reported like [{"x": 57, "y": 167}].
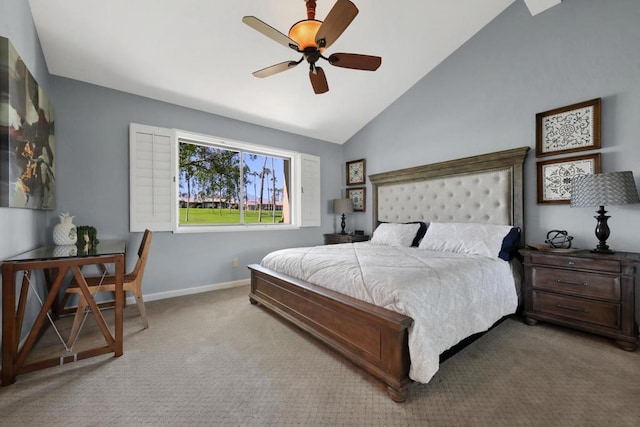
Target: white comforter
[{"x": 450, "y": 296}]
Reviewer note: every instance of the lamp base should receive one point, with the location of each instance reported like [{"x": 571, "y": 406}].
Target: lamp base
[
  {"x": 343, "y": 224},
  {"x": 602, "y": 232}
]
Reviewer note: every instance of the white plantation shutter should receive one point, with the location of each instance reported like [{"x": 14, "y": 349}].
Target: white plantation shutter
[
  {"x": 152, "y": 191},
  {"x": 311, "y": 209}
]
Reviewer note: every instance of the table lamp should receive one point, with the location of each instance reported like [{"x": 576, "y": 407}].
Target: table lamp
[
  {"x": 342, "y": 206},
  {"x": 615, "y": 188}
]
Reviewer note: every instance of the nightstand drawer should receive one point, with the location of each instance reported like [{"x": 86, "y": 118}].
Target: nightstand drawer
[
  {"x": 584, "y": 284},
  {"x": 598, "y": 312},
  {"x": 598, "y": 264}
]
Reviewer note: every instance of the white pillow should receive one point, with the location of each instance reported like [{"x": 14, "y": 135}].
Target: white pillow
[
  {"x": 466, "y": 238},
  {"x": 393, "y": 234}
]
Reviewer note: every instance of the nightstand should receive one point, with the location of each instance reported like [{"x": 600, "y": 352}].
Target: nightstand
[
  {"x": 332, "y": 239},
  {"x": 583, "y": 290}
]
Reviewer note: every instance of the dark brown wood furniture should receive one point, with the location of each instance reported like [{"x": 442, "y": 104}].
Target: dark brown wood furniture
[
  {"x": 583, "y": 290},
  {"x": 334, "y": 238},
  {"x": 372, "y": 337},
  {"x": 375, "y": 338},
  {"x": 14, "y": 360}
]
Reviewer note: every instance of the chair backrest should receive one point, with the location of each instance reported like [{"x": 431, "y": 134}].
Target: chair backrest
[{"x": 143, "y": 252}]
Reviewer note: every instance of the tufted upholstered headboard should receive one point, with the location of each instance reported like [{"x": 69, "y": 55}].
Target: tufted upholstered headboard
[{"x": 485, "y": 189}]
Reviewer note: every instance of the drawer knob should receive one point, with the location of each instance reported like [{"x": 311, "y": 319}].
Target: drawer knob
[
  {"x": 568, "y": 307},
  {"x": 567, "y": 282},
  {"x": 572, "y": 264}
]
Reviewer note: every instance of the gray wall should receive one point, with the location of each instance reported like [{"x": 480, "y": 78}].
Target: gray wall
[
  {"x": 485, "y": 97},
  {"x": 93, "y": 183}
]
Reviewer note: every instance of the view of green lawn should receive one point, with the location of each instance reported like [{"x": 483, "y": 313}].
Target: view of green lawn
[{"x": 206, "y": 216}]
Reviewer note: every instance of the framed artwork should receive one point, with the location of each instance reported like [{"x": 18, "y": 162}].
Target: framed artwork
[
  {"x": 568, "y": 129},
  {"x": 554, "y": 176},
  {"x": 356, "y": 172},
  {"x": 27, "y": 143},
  {"x": 358, "y": 196}
]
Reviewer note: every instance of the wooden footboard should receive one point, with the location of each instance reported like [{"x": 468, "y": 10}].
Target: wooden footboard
[{"x": 374, "y": 338}]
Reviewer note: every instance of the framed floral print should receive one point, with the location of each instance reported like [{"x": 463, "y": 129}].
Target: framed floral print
[
  {"x": 358, "y": 196},
  {"x": 356, "y": 172},
  {"x": 554, "y": 176},
  {"x": 568, "y": 129}
]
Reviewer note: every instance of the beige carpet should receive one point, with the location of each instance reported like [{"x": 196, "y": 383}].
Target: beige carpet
[{"x": 214, "y": 359}]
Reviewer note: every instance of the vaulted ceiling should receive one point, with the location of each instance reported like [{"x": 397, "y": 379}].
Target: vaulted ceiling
[{"x": 199, "y": 54}]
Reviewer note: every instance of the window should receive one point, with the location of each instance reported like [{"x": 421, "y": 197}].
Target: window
[
  {"x": 188, "y": 182},
  {"x": 220, "y": 186}
]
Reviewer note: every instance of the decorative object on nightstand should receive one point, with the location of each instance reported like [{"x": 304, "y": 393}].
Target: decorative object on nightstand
[
  {"x": 614, "y": 188},
  {"x": 342, "y": 207},
  {"x": 559, "y": 239},
  {"x": 588, "y": 291},
  {"x": 356, "y": 172}
]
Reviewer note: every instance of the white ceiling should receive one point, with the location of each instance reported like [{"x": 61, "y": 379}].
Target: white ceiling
[{"x": 199, "y": 54}]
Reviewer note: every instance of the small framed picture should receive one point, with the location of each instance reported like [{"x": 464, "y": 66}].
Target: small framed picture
[
  {"x": 568, "y": 129},
  {"x": 554, "y": 176},
  {"x": 358, "y": 196},
  {"x": 356, "y": 172}
]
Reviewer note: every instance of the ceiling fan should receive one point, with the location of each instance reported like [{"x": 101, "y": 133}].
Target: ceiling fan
[{"x": 311, "y": 37}]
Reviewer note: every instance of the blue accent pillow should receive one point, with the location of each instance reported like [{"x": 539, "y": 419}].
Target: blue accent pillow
[
  {"x": 419, "y": 235},
  {"x": 510, "y": 244}
]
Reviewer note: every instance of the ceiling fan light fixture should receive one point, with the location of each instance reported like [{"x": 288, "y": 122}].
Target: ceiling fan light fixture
[
  {"x": 304, "y": 33},
  {"x": 311, "y": 37}
]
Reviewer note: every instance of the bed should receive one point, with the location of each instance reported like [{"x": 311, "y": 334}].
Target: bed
[{"x": 484, "y": 189}]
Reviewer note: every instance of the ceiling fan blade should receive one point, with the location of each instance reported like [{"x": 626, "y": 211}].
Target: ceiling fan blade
[
  {"x": 355, "y": 61},
  {"x": 275, "y": 69},
  {"x": 270, "y": 32},
  {"x": 318, "y": 80},
  {"x": 338, "y": 19}
]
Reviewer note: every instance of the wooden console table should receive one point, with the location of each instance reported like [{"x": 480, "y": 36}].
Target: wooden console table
[{"x": 49, "y": 258}]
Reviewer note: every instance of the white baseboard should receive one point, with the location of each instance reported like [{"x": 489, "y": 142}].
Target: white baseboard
[{"x": 191, "y": 291}]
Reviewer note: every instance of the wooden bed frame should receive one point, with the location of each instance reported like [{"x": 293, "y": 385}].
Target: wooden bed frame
[{"x": 374, "y": 338}]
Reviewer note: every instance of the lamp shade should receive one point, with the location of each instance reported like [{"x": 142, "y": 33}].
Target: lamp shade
[
  {"x": 342, "y": 206},
  {"x": 604, "y": 189}
]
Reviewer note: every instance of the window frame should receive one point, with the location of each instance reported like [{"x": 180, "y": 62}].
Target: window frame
[
  {"x": 243, "y": 147},
  {"x": 305, "y": 203}
]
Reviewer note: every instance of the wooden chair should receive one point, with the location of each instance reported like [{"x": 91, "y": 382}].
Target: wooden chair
[{"x": 132, "y": 283}]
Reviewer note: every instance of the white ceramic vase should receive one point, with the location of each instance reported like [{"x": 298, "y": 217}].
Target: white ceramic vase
[{"x": 65, "y": 233}]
